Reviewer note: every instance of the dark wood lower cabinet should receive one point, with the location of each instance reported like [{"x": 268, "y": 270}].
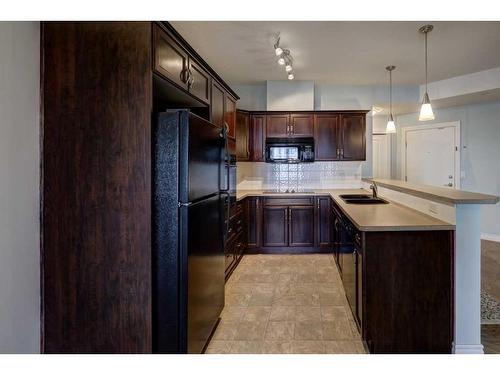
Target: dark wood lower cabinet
[
  {"x": 253, "y": 222},
  {"x": 275, "y": 226},
  {"x": 301, "y": 224},
  {"x": 288, "y": 225},
  {"x": 399, "y": 286},
  {"x": 323, "y": 222},
  {"x": 236, "y": 237}
]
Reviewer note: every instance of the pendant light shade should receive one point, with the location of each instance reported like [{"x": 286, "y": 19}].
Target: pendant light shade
[
  {"x": 391, "y": 126},
  {"x": 426, "y": 113}
]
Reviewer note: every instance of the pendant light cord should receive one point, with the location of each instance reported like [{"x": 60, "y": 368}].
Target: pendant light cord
[
  {"x": 390, "y": 91},
  {"x": 426, "y": 62}
]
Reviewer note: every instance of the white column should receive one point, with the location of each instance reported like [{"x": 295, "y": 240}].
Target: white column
[{"x": 468, "y": 280}]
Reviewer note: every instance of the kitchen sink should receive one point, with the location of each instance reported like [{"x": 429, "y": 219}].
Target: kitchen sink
[
  {"x": 362, "y": 199},
  {"x": 366, "y": 201},
  {"x": 355, "y": 196}
]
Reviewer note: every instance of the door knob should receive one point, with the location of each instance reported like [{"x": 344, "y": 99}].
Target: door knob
[
  {"x": 448, "y": 184},
  {"x": 450, "y": 176}
]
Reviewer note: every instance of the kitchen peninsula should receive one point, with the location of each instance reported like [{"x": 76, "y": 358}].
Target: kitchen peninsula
[
  {"x": 381, "y": 252},
  {"x": 395, "y": 259}
]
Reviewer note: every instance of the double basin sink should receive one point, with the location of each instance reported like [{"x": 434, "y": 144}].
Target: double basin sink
[{"x": 362, "y": 199}]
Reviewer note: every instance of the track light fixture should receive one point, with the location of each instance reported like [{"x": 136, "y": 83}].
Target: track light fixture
[{"x": 284, "y": 58}]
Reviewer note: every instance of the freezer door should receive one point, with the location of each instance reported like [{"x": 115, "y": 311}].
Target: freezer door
[
  {"x": 200, "y": 158},
  {"x": 205, "y": 271}
]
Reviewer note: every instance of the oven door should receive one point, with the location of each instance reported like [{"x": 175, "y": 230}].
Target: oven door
[{"x": 282, "y": 153}]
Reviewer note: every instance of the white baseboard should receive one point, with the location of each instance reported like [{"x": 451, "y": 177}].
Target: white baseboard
[
  {"x": 490, "y": 237},
  {"x": 468, "y": 349}
]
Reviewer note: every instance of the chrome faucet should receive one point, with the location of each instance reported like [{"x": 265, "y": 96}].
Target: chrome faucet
[{"x": 373, "y": 186}]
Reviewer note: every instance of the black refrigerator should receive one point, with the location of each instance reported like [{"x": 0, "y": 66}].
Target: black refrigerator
[{"x": 190, "y": 190}]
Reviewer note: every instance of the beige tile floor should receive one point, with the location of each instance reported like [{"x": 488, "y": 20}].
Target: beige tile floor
[{"x": 286, "y": 304}]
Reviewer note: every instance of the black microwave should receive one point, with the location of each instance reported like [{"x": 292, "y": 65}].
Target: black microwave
[{"x": 290, "y": 150}]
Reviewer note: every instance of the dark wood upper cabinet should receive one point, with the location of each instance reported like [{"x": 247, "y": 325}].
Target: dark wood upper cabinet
[
  {"x": 275, "y": 226},
  {"x": 278, "y": 125},
  {"x": 323, "y": 222},
  {"x": 242, "y": 135},
  {"x": 301, "y": 125},
  {"x": 301, "y": 226},
  {"x": 337, "y": 135},
  {"x": 353, "y": 134},
  {"x": 230, "y": 115},
  {"x": 217, "y": 107},
  {"x": 257, "y": 142},
  {"x": 326, "y": 136},
  {"x": 170, "y": 59},
  {"x": 198, "y": 81}
]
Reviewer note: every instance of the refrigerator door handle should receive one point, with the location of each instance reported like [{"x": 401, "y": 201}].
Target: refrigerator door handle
[
  {"x": 226, "y": 157},
  {"x": 226, "y": 226}
]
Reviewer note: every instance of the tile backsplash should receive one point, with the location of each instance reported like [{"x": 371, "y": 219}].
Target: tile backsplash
[{"x": 317, "y": 175}]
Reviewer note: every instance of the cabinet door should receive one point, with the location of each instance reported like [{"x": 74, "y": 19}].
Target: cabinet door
[
  {"x": 229, "y": 253},
  {"x": 326, "y": 137},
  {"x": 278, "y": 125},
  {"x": 253, "y": 222},
  {"x": 199, "y": 81},
  {"x": 353, "y": 134},
  {"x": 301, "y": 125},
  {"x": 170, "y": 60},
  {"x": 275, "y": 226},
  {"x": 230, "y": 115},
  {"x": 359, "y": 288},
  {"x": 301, "y": 226},
  {"x": 323, "y": 222},
  {"x": 257, "y": 140},
  {"x": 242, "y": 135},
  {"x": 217, "y": 104},
  {"x": 349, "y": 278}
]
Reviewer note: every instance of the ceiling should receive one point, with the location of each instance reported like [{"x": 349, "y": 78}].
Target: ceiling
[{"x": 344, "y": 53}]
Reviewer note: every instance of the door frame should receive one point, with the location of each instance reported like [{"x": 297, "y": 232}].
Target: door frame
[{"x": 449, "y": 124}]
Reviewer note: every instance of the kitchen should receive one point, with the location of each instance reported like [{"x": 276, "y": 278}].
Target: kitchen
[{"x": 184, "y": 212}]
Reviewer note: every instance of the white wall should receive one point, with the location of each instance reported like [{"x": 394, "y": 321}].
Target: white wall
[
  {"x": 290, "y": 95},
  {"x": 19, "y": 187},
  {"x": 480, "y": 153},
  {"x": 252, "y": 97}
]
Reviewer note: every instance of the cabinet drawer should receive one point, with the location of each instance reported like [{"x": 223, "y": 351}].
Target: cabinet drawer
[{"x": 305, "y": 201}]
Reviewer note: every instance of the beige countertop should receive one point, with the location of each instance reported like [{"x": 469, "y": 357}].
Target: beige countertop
[
  {"x": 368, "y": 218},
  {"x": 436, "y": 193}
]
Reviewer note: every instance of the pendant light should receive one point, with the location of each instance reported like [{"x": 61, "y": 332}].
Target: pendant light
[
  {"x": 391, "y": 126},
  {"x": 426, "y": 113}
]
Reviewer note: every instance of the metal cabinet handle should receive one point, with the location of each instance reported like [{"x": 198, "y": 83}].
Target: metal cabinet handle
[{"x": 190, "y": 79}]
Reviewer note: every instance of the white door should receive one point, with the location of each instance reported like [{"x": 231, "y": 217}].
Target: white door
[
  {"x": 430, "y": 156},
  {"x": 381, "y": 156}
]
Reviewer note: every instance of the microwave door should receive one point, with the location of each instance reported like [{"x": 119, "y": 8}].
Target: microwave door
[{"x": 288, "y": 154}]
